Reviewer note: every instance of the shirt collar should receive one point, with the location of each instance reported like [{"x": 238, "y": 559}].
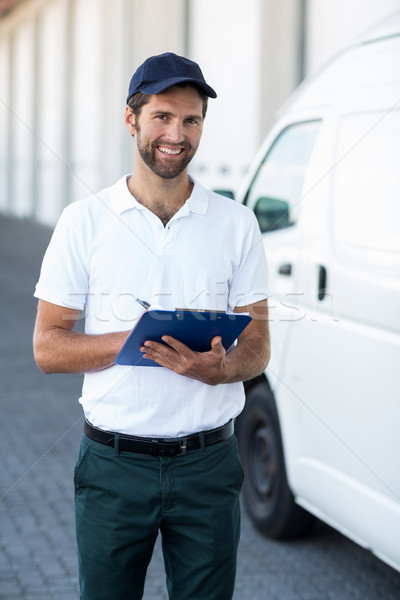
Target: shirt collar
[
  {"x": 121, "y": 199},
  {"x": 198, "y": 200}
]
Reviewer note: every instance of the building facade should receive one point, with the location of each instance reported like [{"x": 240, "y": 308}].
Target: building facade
[{"x": 65, "y": 67}]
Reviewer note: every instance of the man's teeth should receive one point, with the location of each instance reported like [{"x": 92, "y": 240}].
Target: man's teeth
[{"x": 170, "y": 150}]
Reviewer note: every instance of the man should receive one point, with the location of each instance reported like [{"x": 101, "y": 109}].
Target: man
[{"x": 158, "y": 452}]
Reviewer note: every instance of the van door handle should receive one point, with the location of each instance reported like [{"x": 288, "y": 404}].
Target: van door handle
[
  {"x": 285, "y": 269},
  {"x": 321, "y": 282}
]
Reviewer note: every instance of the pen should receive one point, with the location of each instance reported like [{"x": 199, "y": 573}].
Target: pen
[{"x": 143, "y": 303}]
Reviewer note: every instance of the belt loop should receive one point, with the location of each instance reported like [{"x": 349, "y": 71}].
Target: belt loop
[
  {"x": 202, "y": 443},
  {"x": 116, "y": 444},
  {"x": 154, "y": 448}
]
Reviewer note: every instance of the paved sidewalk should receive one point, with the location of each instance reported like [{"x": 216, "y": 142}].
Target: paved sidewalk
[{"x": 41, "y": 424}]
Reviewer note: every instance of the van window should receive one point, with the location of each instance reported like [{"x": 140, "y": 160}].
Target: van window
[
  {"x": 367, "y": 182},
  {"x": 277, "y": 188}
]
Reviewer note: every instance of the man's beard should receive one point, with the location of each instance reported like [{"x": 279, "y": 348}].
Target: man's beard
[{"x": 149, "y": 156}]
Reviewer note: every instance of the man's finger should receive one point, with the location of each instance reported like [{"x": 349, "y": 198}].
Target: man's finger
[
  {"x": 215, "y": 341},
  {"x": 216, "y": 344},
  {"x": 175, "y": 344}
]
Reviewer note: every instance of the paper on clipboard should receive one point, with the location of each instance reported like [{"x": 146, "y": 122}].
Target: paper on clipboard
[{"x": 195, "y": 329}]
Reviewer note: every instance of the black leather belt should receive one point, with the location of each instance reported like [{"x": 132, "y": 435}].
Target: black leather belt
[{"x": 159, "y": 447}]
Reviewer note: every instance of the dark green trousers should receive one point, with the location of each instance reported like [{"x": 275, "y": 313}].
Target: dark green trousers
[{"x": 122, "y": 501}]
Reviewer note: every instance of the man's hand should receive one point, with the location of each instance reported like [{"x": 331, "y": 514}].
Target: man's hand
[
  {"x": 208, "y": 367},
  {"x": 247, "y": 359}
]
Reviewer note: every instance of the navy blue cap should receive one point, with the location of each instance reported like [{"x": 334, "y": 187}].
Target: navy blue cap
[{"x": 158, "y": 73}]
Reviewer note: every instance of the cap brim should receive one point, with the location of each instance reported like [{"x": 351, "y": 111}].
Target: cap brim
[{"x": 160, "y": 86}]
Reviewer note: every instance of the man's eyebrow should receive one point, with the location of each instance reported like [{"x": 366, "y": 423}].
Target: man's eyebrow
[
  {"x": 161, "y": 112},
  {"x": 195, "y": 117},
  {"x": 170, "y": 114}
]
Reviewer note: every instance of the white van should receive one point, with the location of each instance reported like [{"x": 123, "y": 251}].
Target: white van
[{"x": 320, "y": 433}]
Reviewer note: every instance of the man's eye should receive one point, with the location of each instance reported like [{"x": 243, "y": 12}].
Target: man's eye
[{"x": 161, "y": 117}]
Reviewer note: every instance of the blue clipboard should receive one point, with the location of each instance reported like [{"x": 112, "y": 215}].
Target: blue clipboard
[{"x": 195, "y": 329}]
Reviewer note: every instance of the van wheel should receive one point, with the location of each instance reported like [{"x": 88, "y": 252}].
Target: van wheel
[{"x": 267, "y": 497}]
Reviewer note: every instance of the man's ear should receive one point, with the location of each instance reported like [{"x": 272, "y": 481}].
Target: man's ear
[{"x": 130, "y": 121}]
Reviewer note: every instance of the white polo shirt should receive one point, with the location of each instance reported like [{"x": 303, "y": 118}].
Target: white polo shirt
[{"x": 107, "y": 250}]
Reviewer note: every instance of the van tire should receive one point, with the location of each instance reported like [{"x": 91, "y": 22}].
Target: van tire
[{"x": 266, "y": 494}]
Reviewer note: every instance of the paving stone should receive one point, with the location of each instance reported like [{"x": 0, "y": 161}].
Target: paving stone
[{"x": 41, "y": 430}]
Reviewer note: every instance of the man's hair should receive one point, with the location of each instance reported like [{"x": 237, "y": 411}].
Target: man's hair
[{"x": 138, "y": 100}]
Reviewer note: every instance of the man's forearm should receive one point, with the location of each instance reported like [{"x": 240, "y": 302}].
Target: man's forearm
[
  {"x": 60, "y": 351},
  {"x": 246, "y": 360}
]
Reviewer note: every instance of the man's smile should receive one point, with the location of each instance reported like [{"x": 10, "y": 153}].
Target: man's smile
[{"x": 167, "y": 150}]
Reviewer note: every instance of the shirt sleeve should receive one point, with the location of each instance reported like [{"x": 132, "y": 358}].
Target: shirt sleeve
[
  {"x": 64, "y": 275},
  {"x": 250, "y": 282}
]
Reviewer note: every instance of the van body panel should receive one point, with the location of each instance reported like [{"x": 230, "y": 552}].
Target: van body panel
[
  {"x": 371, "y": 520},
  {"x": 334, "y": 272}
]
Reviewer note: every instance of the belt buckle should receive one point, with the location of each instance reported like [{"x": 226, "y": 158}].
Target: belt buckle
[{"x": 183, "y": 447}]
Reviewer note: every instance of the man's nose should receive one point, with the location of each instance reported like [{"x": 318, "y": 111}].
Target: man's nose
[{"x": 175, "y": 132}]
